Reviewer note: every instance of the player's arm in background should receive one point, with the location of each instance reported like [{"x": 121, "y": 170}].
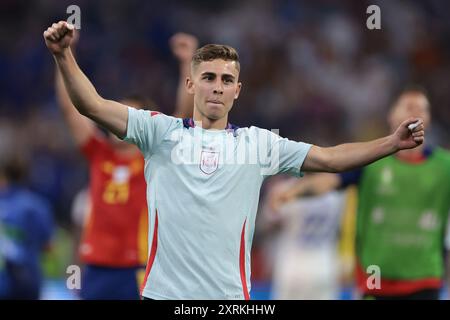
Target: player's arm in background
[
  {"x": 80, "y": 127},
  {"x": 310, "y": 185},
  {"x": 183, "y": 47},
  {"x": 109, "y": 114},
  {"x": 314, "y": 184},
  {"x": 349, "y": 156}
]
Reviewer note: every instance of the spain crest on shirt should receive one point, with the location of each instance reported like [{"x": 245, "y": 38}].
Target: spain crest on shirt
[{"x": 209, "y": 161}]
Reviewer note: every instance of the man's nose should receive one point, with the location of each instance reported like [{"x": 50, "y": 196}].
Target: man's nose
[{"x": 218, "y": 89}]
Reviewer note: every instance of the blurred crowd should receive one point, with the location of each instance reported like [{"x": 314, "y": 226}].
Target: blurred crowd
[{"x": 311, "y": 69}]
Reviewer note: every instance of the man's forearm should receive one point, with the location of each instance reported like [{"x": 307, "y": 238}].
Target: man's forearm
[
  {"x": 80, "y": 127},
  {"x": 64, "y": 102},
  {"x": 349, "y": 156},
  {"x": 353, "y": 155},
  {"x": 80, "y": 90}
]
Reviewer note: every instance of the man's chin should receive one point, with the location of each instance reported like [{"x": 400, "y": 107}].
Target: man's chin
[
  {"x": 215, "y": 116},
  {"x": 217, "y": 113}
]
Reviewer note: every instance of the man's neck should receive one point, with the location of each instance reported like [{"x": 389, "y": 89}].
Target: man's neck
[{"x": 210, "y": 124}]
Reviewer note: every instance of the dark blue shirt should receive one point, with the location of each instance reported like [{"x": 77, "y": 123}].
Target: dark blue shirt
[{"x": 26, "y": 226}]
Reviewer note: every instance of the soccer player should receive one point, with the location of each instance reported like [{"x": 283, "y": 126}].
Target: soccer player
[
  {"x": 403, "y": 207},
  {"x": 113, "y": 245},
  {"x": 203, "y": 178},
  {"x": 26, "y": 228},
  {"x": 305, "y": 260}
]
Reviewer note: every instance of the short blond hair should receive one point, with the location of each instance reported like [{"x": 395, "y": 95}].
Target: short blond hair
[{"x": 211, "y": 52}]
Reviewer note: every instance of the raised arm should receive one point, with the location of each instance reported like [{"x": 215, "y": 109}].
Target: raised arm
[
  {"x": 109, "y": 114},
  {"x": 352, "y": 155},
  {"x": 183, "y": 47},
  {"x": 80, "y": 127}
]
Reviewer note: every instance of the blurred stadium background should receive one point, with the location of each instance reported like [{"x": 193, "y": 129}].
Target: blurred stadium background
[{"x": 310, "y": 69}]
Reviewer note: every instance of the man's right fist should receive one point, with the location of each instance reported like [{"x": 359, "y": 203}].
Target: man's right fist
[{"x": 59, "y": 36}]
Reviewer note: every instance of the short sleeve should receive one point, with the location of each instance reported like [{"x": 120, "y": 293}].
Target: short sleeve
[
  {"x": 283, "y": 155},
  {"x": 146, "y": 129}
]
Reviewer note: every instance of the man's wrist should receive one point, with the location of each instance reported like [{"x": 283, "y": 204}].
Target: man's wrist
[
  {"x": 391, "y": 144},
  {"x": 63, "y": 55}
]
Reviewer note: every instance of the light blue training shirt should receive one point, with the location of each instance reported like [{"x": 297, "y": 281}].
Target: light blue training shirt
[{"x": 202, "y": 191}]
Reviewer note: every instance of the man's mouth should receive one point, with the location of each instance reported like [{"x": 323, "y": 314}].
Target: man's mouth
[{"x": 215, "y": 102}]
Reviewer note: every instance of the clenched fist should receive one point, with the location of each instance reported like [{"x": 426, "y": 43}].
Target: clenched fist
[
  {"x": 183, "y": 46},
  {"x": 59, "y": 37},
  {"x": 408, "y": 138}
]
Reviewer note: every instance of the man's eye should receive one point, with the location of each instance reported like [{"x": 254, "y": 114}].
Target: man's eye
[
  {"x": 228, "y": 80},
  {"x": 208, "y": 77}
]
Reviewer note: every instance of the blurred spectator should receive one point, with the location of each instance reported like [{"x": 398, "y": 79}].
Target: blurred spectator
[
  {"x": 26, "y": 226},
  {"x": 403, "y": 209},
  {"x": 306, "y": 260}
]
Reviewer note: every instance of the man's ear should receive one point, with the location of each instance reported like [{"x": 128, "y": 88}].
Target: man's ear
[
  {"x": 238, "y": 90},
  {"x": 189, "y": 85}
]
